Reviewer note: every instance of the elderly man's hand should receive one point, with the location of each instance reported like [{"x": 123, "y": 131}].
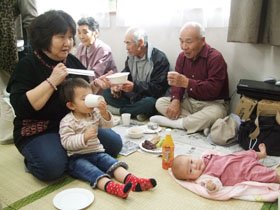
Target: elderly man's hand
[
  {"x": 116, "y": 91},
  {"x": 128, "y": 86},
  {"x": 177, "y": 80},
  {"x": 102, "y": 81},
  {"x": 174, "y": 110}
]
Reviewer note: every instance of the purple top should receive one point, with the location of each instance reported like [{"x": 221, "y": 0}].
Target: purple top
[
  {"x": 97, "y": 57},
  {"x": 208, "y": 78}
]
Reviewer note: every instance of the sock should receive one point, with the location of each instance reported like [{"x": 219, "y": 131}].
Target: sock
[
  {"x": 141, "y": 117},
  {"x": 120, "y": 190},
  {"x": 140, "y": 184},
  {"x": 206, "y": 131},
  {"x": 166, "y": 122}
]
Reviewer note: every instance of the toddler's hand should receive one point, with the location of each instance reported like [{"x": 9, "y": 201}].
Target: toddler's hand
[
  {"x": 102, "y": 106},
  {"x": 90, "y": 132}
]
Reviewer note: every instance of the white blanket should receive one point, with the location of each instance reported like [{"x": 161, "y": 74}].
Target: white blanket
[{"x": 249, "y": 190}]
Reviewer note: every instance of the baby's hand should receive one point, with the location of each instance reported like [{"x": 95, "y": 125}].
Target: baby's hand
[{"x": 210, "y": 186}]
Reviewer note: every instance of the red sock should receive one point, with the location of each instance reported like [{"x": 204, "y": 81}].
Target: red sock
[
  {"x": 140, "y": 184},
  {"x": 120, "y": 190}
]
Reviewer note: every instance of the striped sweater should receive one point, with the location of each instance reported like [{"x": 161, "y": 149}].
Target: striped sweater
[{"x": 72, "y": 133}]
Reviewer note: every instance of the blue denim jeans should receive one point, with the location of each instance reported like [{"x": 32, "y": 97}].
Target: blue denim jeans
[
  {"x": 45, "y": 158},
  {"x": 111, "y": 141},
  {"x": 93, "y": 166}
]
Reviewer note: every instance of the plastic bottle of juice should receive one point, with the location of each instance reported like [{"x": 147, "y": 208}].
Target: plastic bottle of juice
[{"x": 167, "y": 150}]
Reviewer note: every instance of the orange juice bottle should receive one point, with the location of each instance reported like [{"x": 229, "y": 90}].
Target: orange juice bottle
[{"x": 167, "y": 150}]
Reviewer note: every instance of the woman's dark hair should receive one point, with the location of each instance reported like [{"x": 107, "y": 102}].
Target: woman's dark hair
[
  {"x": 68, "y": 87},
  {"x": 90, "y": 22},
  {"x": 45, "y": 26}
]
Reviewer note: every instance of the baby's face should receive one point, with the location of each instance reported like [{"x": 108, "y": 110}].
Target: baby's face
[
  {"x": 79, "y": 101},
  {"x": 191, "y": 168}
]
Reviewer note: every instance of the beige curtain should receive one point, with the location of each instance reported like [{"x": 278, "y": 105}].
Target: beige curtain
[{"x": 254, "y": 21}]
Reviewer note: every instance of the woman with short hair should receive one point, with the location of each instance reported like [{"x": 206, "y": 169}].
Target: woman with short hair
[{"x": 33, "y": 94}]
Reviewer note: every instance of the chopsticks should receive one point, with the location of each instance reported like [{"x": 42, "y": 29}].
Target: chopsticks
[{"x": 81, "y": 72}]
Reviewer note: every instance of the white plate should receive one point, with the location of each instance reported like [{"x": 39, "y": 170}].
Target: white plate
[
  {"x": 81, "y": 72},
  {"x": 155, "y": 151},
  {"x": 74, "y": 198},
  {"x": 151, "y": 131}
]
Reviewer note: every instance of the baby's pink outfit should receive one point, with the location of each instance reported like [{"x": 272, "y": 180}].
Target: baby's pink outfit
[{"x": 238, "y": 167}]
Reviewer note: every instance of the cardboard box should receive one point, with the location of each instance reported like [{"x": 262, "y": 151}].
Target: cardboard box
[{"x": 245, "y": 107}]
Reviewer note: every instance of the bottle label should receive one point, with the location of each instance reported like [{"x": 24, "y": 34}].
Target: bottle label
[{"x": 166, "y": 154}]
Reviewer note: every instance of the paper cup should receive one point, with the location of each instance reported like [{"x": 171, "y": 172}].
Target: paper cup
[
  {"x": 92, "y": 100},
  {"x": 126, "y": 119}
]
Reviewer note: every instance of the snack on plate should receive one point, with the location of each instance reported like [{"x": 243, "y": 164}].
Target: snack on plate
[
  {"x": 155, "y": 139},
  {"x": 148, "y": 145},
  {"x": 159, "y": 144}
]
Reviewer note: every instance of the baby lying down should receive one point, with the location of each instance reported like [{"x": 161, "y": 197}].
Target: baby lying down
[{"x": 239, "y": 175}]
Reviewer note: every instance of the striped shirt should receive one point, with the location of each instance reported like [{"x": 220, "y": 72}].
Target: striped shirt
[{"x": 72, "y": 133}]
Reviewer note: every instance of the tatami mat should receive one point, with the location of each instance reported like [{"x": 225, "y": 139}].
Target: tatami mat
[{"x": 16, "y": 184}]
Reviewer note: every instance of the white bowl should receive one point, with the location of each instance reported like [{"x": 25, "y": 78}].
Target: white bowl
[
  {"x": 135, "y": 132},
  {"x": 118, "y": 78}
]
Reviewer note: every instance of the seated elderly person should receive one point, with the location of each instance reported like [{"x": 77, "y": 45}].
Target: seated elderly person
[
  {"x": 92, "y": 52},
  {"x": 147, "y": 80},
  {"x": 199, "y": 85}
]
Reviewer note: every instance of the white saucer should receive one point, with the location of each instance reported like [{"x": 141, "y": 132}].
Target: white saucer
[
  {"x": 151, "y": 131},
  {"x": 74, "y": 198},
  {"x": 155, "y": 151}
]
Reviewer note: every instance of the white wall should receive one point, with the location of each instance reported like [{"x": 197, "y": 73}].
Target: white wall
[{"x": 245, "y": 61}]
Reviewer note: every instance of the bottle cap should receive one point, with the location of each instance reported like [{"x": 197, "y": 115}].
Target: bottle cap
[{"x": 168, "y": 131}]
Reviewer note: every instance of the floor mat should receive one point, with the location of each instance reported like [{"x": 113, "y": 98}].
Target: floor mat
[{"x": 19, "y": 190}]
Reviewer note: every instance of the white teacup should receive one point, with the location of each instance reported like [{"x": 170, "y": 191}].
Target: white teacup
[
  {"x": 92, "y": 100},
  {"x": 172, "y": 73},
  {"x": 171, "y": 77}
]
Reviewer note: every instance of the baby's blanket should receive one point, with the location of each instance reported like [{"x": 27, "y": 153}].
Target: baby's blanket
[{"x": 250, "y": 191}]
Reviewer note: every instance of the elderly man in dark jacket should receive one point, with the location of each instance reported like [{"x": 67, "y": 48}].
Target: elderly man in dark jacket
[{"x": 147, "y": 80}]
